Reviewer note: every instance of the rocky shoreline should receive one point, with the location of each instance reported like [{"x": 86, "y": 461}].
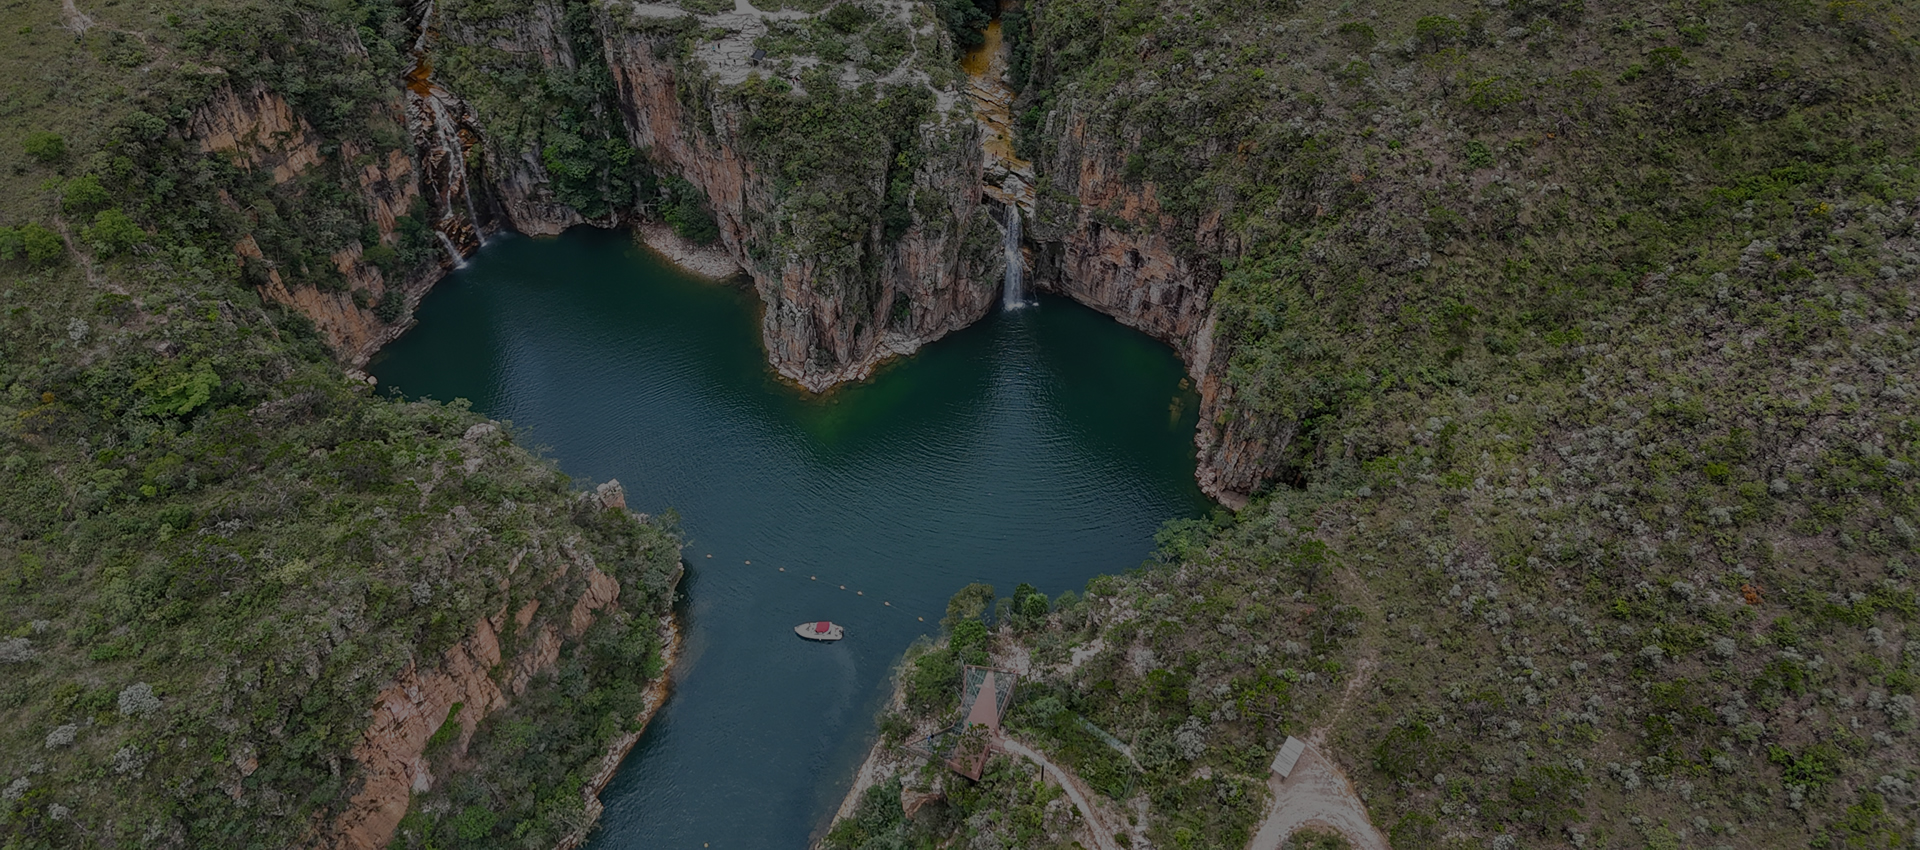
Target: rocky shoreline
[
  {"x": 882, "y": 763},
  {"x": 708, "y": 261},
  {"x": 656, "y": 697}
]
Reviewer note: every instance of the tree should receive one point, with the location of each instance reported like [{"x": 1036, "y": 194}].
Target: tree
[
  {"x": 46, "y": 147},
  {"x": 113, "y": 232},
  {"x": 84, "y": 194},
  {"x": 969, "y": 604},
  {"x": 685, "y": 209},
  {"x": 1310, "y": 560},
  {"x": 42, "y": 247},
  {"x": 1028, "y": 602}
]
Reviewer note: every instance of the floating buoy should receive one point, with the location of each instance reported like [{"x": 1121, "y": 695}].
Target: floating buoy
[
  {"x": 922, "y": 619},
  {"x": 813, "y": 578},
  {"x": 843, "y": 587},
  {"x": 783, "y": 569},
  {"x": 749, "y": 562},
  {"x": 859, "y": 593},
  {"x": 709, "y": 556},
  {"x": 888, "y": 604}
]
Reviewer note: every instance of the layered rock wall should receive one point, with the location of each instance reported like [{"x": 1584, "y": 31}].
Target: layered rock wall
[
  {"x": 475, "y": 678},
  {"x": 515, "y": 182},
  {"x": 1104, "y": 241},
  {"x": 259, "y": 130},
  {"x": 823, "y": 324}
]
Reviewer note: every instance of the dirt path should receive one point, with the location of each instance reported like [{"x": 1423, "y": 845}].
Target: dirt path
[
  {"x": 1076, "y": 791},
  {"x": 1317, "y": 792}
]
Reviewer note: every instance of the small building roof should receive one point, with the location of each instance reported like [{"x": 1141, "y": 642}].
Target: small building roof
[
  {"x": 985, "y": 709},
  {"x": 1289, "y": 755}
]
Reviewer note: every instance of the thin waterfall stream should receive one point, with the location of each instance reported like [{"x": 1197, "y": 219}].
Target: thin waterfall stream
[
  {"x": 443, "y": 151},
  {"x": 1013, "y": 293},
  {"x": 453, "y": 251}
]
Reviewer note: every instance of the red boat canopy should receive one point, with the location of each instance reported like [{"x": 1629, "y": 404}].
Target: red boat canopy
[{"x": 821, "y": 627}]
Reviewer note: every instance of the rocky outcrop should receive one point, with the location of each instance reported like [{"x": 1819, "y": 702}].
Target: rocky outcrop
[
  {"x": 469, "y": 682},
  {"x": 260, "y": 131},
  {"x": 1114, "y": 250},
  {"x": 823, "y": 324},
  {"x": 654, "y": 698},
  {"x": 709, "y": 261},
  {"x": 258, "y": 128},
  {"x": 1104, "y": 241}
]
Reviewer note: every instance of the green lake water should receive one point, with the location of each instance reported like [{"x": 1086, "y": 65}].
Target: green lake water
[{"x": 1043, "y": 445}]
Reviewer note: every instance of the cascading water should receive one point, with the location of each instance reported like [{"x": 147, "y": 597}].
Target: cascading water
[
  {"x": 453, "y": 251},
  {"x": 436, "y": 132},
  {"x": 1013, "y": 294},
  {"x": 452, "y": 150}
]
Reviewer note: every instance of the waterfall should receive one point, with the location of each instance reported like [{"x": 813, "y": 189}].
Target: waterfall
[
  {"x": 426, "y": 23},
  {"x": 458, "y": 261},
  {"x": 436, "y": 134},
  {"x": 479, "y": 235},
  {"x": 1013, "y": 292},
  {"x": 458, "y": 181}
]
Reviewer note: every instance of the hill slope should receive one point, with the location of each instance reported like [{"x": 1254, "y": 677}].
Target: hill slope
[{"x": 1577, "y": 343}]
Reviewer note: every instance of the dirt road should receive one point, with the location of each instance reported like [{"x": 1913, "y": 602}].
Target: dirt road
[{"x": 1317, "y": 793}]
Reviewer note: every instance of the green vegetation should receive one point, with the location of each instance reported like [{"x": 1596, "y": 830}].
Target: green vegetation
[
  {"x": 215, "y": 547},
  {"x": 684, "y": 206},
  {"x": 965, "y": 19},
  {"x": 47, "y": 148},
  {"x": 846, "y": 33},
  {"x": 563, "y": 110},
  {"x": 1009, "y": 803}
]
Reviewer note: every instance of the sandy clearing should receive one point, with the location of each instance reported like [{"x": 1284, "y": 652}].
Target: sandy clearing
[{"x": 1316, "y": 794}]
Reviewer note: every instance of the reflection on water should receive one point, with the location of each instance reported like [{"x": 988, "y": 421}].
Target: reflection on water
[{"x": 1043, "y": 445}]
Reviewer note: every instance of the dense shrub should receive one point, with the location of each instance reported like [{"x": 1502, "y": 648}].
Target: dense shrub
[{"x": 45, "y": 147}]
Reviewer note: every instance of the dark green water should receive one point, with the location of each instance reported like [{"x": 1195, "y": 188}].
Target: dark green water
[{"x": 1044, "y": 445}]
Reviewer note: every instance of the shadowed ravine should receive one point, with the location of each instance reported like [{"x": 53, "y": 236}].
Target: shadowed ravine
[{"x": 1043, "y": 445}]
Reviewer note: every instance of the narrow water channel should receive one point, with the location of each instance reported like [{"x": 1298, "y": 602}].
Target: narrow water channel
[{"x": 1043, "y": 445}]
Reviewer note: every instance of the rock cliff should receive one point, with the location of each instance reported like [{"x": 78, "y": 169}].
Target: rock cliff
[
  {"x": 1104, "y": 241},
  {"x": 831, "y": 312},
  {"x": 260, "y": 131},
  {"x": 434, "y": 708},
  {"x": 826, "y": 320}
]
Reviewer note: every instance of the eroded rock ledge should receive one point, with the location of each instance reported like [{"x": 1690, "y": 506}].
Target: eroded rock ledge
[{"x": 477, "y": 677}]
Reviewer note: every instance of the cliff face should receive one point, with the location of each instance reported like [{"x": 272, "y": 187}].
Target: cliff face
[
  {"x": 515, "y": 182},
  {"x": 497, "y": 661},
  {"x": 259, "y": 130},
  {"x": 823, "y": 325},
  {"x": 1114, "y": 250}
]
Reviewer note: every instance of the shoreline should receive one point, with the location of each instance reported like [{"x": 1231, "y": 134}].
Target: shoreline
[
  {"x": 655, "y": 697},
  {"x": 882, "y": 763},
  {"x": 708, "y": 261}
]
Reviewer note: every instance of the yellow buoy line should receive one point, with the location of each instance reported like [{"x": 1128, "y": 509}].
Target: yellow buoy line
[{"x": 861, "y": 593}]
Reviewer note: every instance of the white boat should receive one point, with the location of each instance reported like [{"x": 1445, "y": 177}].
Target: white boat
[{"x": 821, "y": 630}]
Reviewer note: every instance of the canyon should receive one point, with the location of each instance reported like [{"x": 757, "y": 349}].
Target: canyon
[{"x": 831, "y": 313}]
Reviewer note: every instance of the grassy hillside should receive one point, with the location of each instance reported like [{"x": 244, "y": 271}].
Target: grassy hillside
[
  {"x": 1584, "y": 336},
  {"x": 214, "y": 547}
]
